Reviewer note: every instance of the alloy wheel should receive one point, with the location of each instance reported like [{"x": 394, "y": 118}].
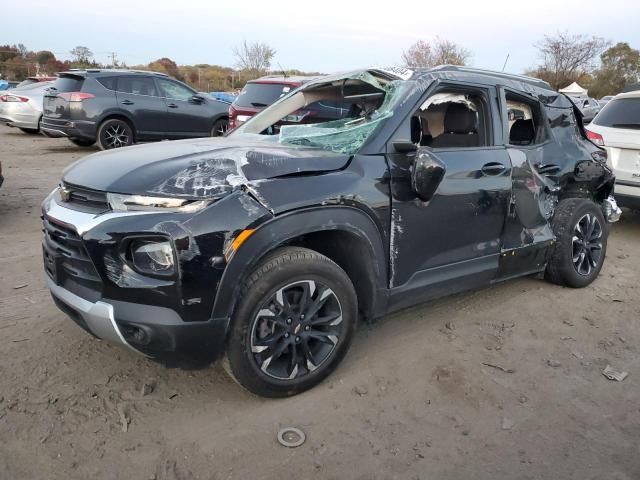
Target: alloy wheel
[
  {"x": 116, "y": 135},
  {"x": 219, "y": 129},
  {"x": 587, "y": 244},
  {"x": 296, "y": 330}
]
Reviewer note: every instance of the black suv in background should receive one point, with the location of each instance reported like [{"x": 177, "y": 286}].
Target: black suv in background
[{"x": 116, "y": 108}]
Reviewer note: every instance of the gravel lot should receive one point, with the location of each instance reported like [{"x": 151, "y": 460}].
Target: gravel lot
[{"x": 414, "y": 398}]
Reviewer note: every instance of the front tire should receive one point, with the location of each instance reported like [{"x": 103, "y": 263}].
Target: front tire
[
  {"x": 114, "y": 133},
  {"x": 579, "y": 253},
  {"x": 293, "y": 324},
  {"x": 220, "y": 127}
]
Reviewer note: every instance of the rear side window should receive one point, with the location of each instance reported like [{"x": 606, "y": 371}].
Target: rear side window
[
  {"x": 525, "y": 121},
  {"x": 108, "y": 82},
  {"x": 260, "y": 95},
  {"x": 68, "y": 84},
  {"x": 137, "y": 86},
  {"x": 620, "y": 113}
]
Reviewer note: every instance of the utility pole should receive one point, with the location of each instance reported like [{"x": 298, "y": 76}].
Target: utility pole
[
  {"x": 113, "y": 59},
  {"x": 199, "y": 78}
]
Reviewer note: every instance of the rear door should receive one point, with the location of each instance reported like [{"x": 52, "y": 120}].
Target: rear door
[
  {"x": 139, "y": 96},
  {"x": 187, "y": 117},
  {"x": 619, "y": 125},
  {"x": 536, "y": 162}
]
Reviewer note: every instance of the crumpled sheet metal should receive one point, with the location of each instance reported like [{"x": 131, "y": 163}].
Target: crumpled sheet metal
[{"x": 219, "y": 173}]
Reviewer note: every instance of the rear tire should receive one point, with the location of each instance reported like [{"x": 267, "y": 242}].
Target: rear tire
[
  {"x": 279, "y": 343},
  {"x": 81, "y": 142},
  {"x": 114, "y": 133},
  {"x": 579, "y": 252},
  {"x": 30, "y": 131},
  {"x": 220, "y": 127}
]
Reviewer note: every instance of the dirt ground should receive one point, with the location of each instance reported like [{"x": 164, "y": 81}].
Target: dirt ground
[{"x": 414, "y": 399}]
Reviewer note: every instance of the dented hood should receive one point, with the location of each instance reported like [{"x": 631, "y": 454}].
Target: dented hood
[{"x": 201, "y": 168}]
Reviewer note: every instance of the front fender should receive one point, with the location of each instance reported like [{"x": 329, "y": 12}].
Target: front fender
[{"x": 288, "y": 227}]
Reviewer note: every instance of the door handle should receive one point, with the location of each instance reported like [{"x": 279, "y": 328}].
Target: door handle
[
  {"x": 493, "y": 168},
  {"x": 172, "y": 105},
  {"x": 126, "y": 102}
]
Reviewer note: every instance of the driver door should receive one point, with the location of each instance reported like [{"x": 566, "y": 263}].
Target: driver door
[
  {"x": 449, "y": 238},
  {"x": 188, "y": 118}
]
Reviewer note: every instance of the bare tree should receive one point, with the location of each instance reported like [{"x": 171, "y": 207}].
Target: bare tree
[
  {"x": 440, "y": 52},
  {"x": 565, "y": 58},
  {"x": 254, "y": 57},
  {"x": 81, "y": 54}
]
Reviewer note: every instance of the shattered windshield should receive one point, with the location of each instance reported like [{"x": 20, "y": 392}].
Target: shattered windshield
[{"x": 366, "y": 102}]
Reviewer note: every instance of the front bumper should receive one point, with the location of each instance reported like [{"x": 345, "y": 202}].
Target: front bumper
[
  {"x": 97, "y": 318},
  {"x": 156, "y": 331}
]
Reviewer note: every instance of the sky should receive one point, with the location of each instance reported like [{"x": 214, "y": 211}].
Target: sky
[{"x": 324, "y": 36}]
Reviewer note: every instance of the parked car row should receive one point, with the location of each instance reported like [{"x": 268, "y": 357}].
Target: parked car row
[
  {"x": 22, "y": 107},
  {"x": 588, "y": 106},
  {"x": 113, "y": 108},
  {"x": 116, "y": 108}
]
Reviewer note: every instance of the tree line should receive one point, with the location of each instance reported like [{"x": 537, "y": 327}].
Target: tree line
[{"x": 563, "y": 58}]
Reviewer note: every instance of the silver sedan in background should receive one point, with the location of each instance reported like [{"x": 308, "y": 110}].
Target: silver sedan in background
[{"x": 22, "y": 107}]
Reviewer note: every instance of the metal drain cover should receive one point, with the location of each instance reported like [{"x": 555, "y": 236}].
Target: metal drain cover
[{"x": 291, "y": 437}]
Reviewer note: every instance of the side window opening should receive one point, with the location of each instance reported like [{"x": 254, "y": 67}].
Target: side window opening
[
  {"x": 526, "y": 126},
  {"x": 451, "y": 119},
  {"x": 108, "y": 82},
  {"x": 137, "y": 86},
  {"x": 174, "y": 90}
]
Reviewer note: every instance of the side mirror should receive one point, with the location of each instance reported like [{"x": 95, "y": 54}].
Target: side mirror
[
  {"x": 197, "y": 99},
  {"x": 426, "y": 174},
  {"x": 404, "y": 146}
]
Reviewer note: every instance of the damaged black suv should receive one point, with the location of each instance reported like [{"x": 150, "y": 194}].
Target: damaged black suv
[{"x": 267, "y": 246}]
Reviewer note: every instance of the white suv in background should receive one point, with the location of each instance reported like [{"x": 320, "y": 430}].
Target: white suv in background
[{"x": 617, "y": 128}]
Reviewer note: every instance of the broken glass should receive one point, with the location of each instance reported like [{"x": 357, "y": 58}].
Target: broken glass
[{"x": 349, "y": 134}]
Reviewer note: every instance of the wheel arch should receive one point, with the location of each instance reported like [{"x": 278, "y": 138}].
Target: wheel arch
[{"x": 339, "y": 233}]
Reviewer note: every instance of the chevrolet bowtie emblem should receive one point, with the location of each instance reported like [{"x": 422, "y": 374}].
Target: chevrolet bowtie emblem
[{"x": 65, "y": 194}]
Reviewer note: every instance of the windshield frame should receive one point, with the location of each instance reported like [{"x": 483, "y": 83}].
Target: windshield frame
[{"x": 295, "y": 100}]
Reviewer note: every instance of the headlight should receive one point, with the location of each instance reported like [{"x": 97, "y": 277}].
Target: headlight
[
  {"x": 154, "y": 257},
  {"x": 162, "y": 204}
]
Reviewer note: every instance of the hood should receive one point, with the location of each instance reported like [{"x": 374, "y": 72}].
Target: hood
[{"x": 201, "y": 168}]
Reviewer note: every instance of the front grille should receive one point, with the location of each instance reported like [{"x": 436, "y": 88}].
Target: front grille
[
  {"x": 86, "y": 200},
  {"x": 66, "y": 260}
]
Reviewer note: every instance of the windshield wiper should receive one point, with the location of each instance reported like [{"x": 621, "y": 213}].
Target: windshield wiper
[
  {"x": 635, "y": 126},
  {"x": 258, "y": 104}
]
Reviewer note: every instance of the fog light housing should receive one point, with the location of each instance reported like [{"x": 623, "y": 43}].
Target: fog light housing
[{"x": 155, "y": 257}]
